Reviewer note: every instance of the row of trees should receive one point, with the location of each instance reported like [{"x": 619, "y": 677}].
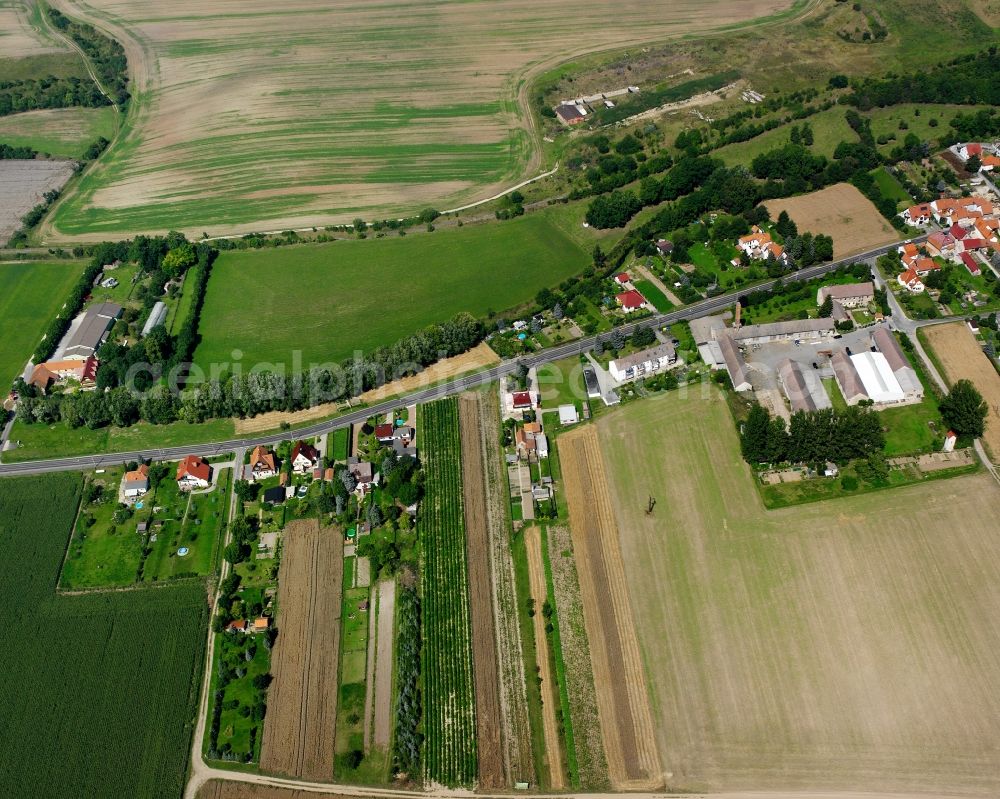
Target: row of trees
[
  {"x": 107, "y": 55},
  {"x": 811, "y": 437},
  {"x": 49, "y": 92}
]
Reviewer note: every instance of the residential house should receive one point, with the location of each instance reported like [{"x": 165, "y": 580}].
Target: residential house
[
  {"x": 623, "y": 279},
  {"x": 305, "y": 457},
  {"x": 630, "y": 301},
  {"x": 237, "y": 626},
  {"x": 193, "y": 473},
  {"x": 917, "y": 215},
  {"x": 522, "y": 401},
  {"x": 261, "y": 624},
  {"x": 966, "y": 151},
  {"x": 542, "y": 445},
  {"x": 136, "y": 482},
  {"x": 941, "y": 244},
  {"x": 643, "y": 363},
  {"x": 263, "y": 464},
  {"x": 384, "y": 433},
  {"x": 910, "y": 280},
  {"x": 664, "y": 247},
  {"x": 364, "y": 473},
  {"x": 990, "y": 163}
]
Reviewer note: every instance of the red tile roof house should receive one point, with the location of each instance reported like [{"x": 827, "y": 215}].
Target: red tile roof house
[
  {"x": 193, "y": 472},
  {"x": 967, "y": 151},
  {"x": 305, "y": 457},
  {"x": 263, "y": 463},
  {"x": 135, "y": 484},
  {"x": 384, "y": 433},
  {"x": 623, "y": 279},
  {"x": 630, "y": 301},
  {"x": 917, "y": 214},
  {"x": 521, "y": 400}
]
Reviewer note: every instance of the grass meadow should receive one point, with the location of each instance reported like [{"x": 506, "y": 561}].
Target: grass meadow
[
  {"x": 841, "y": 645},
  {"x": 60, "y": 132},
  {"x": 102, "y": 686},
  {"x": 332, "y": 299},
  {"x": 30, "y": 295}
]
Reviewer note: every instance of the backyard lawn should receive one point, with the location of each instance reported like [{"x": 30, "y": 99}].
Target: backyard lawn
[{"x": 651, "y": 292}]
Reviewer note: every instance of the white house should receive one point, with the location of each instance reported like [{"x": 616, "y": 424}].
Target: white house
[
  {"x": 136, "y": 483},
  {"x": 305, "y": 457},
  {"x": 193, "y": 473},
  {"x": 643, "y": 363}
]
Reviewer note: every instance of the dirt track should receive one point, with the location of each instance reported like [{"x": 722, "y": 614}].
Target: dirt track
[
  {"x": 484, "y": 648},
  {"x": 962, "y": 357},
  {"x": 302, "y": 701},
  {"x": 550, "y": 727},
  {"x": 622, "y": 696}
]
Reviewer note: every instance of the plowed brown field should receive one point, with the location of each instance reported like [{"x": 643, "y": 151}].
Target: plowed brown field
[
  {"x": 622, "y": 697},
  {"x": 219, "y": 789},
  {"x": 963, "y": 358},
  {"x": 484, "y": 645},
  {"x": 302, "y": 701}
]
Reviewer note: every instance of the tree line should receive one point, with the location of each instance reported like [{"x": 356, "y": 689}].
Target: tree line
[
  {"x": 811, "y": 437},
  {"x": 49, "y": 92}
]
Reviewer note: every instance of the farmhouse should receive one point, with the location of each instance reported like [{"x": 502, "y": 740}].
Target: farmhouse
[
  {"x": 643, "y": 363},
  {"x": 156, "y": 317},
  {"x": 84, "y": 372},
  {"x": 797, "y": 329},
  {"x": 739, "y": 373},
  {"x": 905, "y": 374},
  {"x": 193, "y": 472},
  {"x": 849, "y": 295},
  {"x": 305, "y": 457},
  {"x": 136, "y": 482},
  {"x": 630, "y": 301},
  {"x": 804, "y": 390},
  {"x": 89, "y": 331},
  {"x": 571, "y": 113},
  {"x": 263, "y": 464},
  {"x": 847, "y": 378}
]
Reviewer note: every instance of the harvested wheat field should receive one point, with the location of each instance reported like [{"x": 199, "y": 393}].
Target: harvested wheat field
[
  {"x": 19, "y": 37},
  {"x": 219, "y": 789},
  {"x": 308, "y": 112},
  {"x": 302, "y": 701},
  {"x": 484, "y": 644},
  {"x": 550, "y": 698},
  {"x": 963, "y": 358},
  {"x": 840, "y": 211},
  {"x": 622, "y": 697},
  {"x": 848, "y": 645}
]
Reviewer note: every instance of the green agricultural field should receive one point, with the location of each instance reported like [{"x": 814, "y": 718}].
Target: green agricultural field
[
  {"x": 450, "y": 717},
  {"x": 61, "y": 132},
  {"x": 102, "y": 688},
  {"x": 773, "y": 640},
  {"x": 30, "y": 295},
  {"x": 326, "y": 301}
]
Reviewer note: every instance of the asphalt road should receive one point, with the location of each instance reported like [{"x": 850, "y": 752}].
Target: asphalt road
[{"x": 456, "y": 386}]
